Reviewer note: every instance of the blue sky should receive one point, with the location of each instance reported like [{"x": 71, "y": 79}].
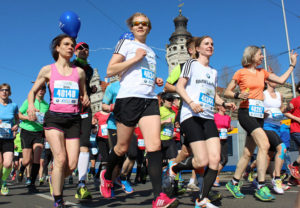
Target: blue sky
[{"x": 27, "y": 28}]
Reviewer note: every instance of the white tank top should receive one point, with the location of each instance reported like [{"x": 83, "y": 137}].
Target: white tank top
[{"x": 272, "y": 107}]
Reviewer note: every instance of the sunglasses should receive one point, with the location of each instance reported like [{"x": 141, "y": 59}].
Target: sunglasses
[
  {"x": 4, "y": 90},
  {"x": 83, "y": 46},
  {"x": 137, "y": 23},
  {"x": 170, "y": 100}
]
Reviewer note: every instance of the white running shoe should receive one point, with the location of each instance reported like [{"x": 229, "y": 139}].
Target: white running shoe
[{"x": 277, "y": 186}]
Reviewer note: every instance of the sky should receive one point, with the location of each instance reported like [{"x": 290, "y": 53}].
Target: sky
[{"x": 27, "y": 28}]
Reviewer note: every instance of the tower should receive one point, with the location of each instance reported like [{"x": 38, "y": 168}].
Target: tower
[
  {"x": 176, "y": 50},
  {"x": 96, "y": 98}
]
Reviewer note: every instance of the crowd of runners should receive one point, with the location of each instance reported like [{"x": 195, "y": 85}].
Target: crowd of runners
[{"x": 183, "y": 128}]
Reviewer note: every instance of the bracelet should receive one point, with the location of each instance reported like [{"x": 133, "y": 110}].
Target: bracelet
[
  {"x": 111, "y": 107},
  {"x": 190, "y": 102},
  {"x": 223, "y": 104},
  {"x": 236, "y": 95},
  {"x": 291, "y": 65}
]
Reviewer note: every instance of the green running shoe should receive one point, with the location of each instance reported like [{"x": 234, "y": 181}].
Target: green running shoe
[
  {"x": 264, "y": 194},
  {"x": 83, "y": 193},
  {"x": 235, "y": 190},
  {"x": 4, "y": 189}
]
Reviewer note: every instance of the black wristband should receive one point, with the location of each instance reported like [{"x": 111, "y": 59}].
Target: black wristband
[
  {"x": 236, "y": 95},
  {"x": 223, "y": 104},
  {"x": 292, "y": 65}
]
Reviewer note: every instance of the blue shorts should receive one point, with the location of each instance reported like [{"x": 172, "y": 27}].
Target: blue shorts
[
  {"x": 296, "y": 137},
  {"x": 272, "y": 127}
]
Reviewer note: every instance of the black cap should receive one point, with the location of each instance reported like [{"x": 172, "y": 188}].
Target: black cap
[{"x": 167, "y": 96}]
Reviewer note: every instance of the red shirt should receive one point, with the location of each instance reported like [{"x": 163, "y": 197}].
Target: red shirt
[
  {"x": 140, "y": 138},
  {"x": 176, "y": 130},
  {"x": 102, "y": 123},
  {"x": 295, "y": 126},
  {"x": 222, "y": 121}
]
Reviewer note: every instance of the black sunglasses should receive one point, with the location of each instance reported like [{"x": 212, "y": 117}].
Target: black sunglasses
[{"x": 83, "y": 46}]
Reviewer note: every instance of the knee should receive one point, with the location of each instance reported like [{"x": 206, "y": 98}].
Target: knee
[
  {"x": 224, "y": 160},
  {"x": 214, "y": 159},
  {"x": 121, "y": 149},
  {"x": 154, "y": 146},
  {"x": 72, "y": 165},
  {"x": 7, "y": 164},
  {"x": 199, "y": 163},
  {"x": 265, "y": 147},
  {"x": 281, "y": 150},
  {"x": 60, "y": 161}
]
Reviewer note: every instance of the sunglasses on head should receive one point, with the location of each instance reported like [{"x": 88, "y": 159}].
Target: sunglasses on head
[
  {"x": 83, "y": 46},
  {"x": 137, "y": 23}
]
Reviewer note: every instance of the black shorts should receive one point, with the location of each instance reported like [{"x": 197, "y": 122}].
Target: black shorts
[
  {"x": 129, "y": 111},
  {"x": 249, "y": 123},
  {"x": 198, "y": 129},
  {"x": 103, "y": 148},
  {"x": 17, "y": 156},
  {"x": 224, "y": 152},
  {"x": 274, "y": 140},
  {"x": 178, "y": 145},
  {"x": 67, "y": 123},
  {"x": 86, "y": 125},
  {"x": 169, "y": 149},
  {"x": 6, "y": 145},
  {"x": 28, "y": 138}
]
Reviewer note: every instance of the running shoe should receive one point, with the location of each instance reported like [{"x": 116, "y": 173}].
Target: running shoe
[
  {"x": 126, "y": 187},
  {"x": 294, "y": 170},
  {"x": 118, "y": 182},
  {"x": 264, "y": 194},
  {"x": 59, "y": 204},
  {"x": 172, "y": 174},
  {"x": 251, "y": 176},
  {"x": 32, "y": 189},
  {"x": 28, "y": 181},
  {"x": 277, "y": 186},
  {"x": 255, "y": 183},
  {"x": 4, "y": 189},
  {"x": 42, "y": 181},
  {"x": 180, "y": 189},
  {"x": 214, "y": 196},
  {"x": 284, "y": 176},
  {"x": 204, "y": 203},
  {"x": 235, "y": 190},
  {"x": 217, "y": 182},
  {"x": 163, "y": 201},
  {"x": 285, "y": 187},
  {"x": 83, "y": 193},
  {"x": 20, "y": 177},
  {"x": 293, "y": 182},
  {"x": 192, "y": 187},
  {"x": 14, "y": 176},
  {"x": 50, "y": 185},
  {"x": 105, "y": 186}
]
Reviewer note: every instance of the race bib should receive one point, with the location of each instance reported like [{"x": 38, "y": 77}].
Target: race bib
[
  {"x": 256, "y": 108},
  {"x": 93, "y": 137},
  {"x": 47, "y": 145},
  {"x": 223, "y": 133},
  {"x": 5, "y": 130},
  {"x": 40, "y": 117},
  {"x": 148, "y": 77},
  {"x": 65, "y": 92},
  {"x": 141, "y": 143},
  {"x": 84, "y": 115},
  {"x": 16, "y": 154},
  {"x": 168, "y": 130},
  {"x": 276, "y": 114},
  {"x": 94, "y": 151},
  {"x": 104, "y": 131},
  {"x": 206, "y": 101}
]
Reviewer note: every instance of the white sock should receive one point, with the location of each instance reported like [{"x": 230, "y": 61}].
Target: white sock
[
  {"x": 192, "y": 180},
  {"x": 83, "y": 163}
]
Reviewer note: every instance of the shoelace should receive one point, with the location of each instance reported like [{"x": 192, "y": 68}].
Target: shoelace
[{"x": 279, "y": 183}]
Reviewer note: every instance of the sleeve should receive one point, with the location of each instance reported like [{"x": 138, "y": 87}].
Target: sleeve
[
  {"x": 186, "y": 71},
  {"x": 122, "y": 47},
  {"x": 24, "y": 107},
  {"x": 107, "y": 98},
  {"x": 237, "y": 76},
  {"x": 174, "y": 76},
  {"x": 16, "y": 110},
  {"x": 266, "y": 74}
]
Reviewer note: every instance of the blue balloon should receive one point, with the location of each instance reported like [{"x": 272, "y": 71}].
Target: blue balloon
[
  {"x": 69, "y": 23},
  {"x": 127, "y": 35}
]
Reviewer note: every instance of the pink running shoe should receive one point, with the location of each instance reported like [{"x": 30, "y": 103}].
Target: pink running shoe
[
  {"x": 163, "y": 201},
  {"x": 294, "y": 171},
  {"x": 105, "y": 185}
]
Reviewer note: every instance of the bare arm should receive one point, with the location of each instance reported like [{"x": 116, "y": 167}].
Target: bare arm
[
  {"x": 229, "y": 92},
  {"x": 106, "y": 108},
  {"x": 220, "y": 101},
  {"x": 169, "y": 88},
  {"x": 23, "y": 117},
  {"x": 117, "y": 64},
  {"x": 17, "y": 121},
  {"x": 83, "y": 94}
]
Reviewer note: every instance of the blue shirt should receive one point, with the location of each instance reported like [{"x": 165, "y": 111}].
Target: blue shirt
[
  {"x": 7, "y": 115},
  {"x": 109, "y": 97}
]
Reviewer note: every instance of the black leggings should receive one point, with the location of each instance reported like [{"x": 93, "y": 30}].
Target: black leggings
[
  {"x": 224, "y": 152},
  {"x": 47, "y": 159}
]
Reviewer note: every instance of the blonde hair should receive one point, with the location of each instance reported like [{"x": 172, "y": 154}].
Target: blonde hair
[
  {"x": 6, "y": 85},
  {"x": 137, "y": 14},
  {"x": 248, "y": 55}
]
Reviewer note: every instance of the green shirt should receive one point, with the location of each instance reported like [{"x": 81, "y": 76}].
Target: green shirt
[
  {"x": 175, "y": 74},
  {"x": 17, "y": 142},
  {"x": 167, "y": 129},
  {"x": 35, "y": 126}
]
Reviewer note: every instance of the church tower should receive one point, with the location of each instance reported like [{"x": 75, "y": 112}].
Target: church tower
[{"x": 176, "y": 50}]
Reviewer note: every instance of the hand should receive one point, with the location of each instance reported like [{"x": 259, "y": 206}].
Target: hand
[
  {"x": 85, "y": 101},
  {"x": 140, "y": 54},
  {"x": 168, "y": 120},
  {"x": 94, "y": 89},
  {"x": 294, "y": 58},
  {"x": 15, "y": 127},
  {"x": 230, "y": 106},
  {"x": 244, "y": 95},
  {"x": 31, "y": 113},
  {"x": 196, "y": 107},
  {"x": 159, "y": 81}
]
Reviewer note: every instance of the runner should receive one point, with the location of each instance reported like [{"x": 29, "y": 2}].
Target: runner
[
  {"x": 251, "y": 81},
  {"x": 136, "y": 103},
  {"x": 9, "y": 124},
  {"x": 17, "y": 156},
  {"x": 82, "y": 53},
  {"x": 32, "y": 137},
  {"x": 197, "y": 87},
  {"x": 62, "y": 121}
]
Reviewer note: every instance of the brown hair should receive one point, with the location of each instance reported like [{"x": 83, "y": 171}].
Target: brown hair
[
  {"x": 56, "y": 42},
  {"x": 137, "y": 14},
  {"x": 191, "y": 41},
  {"x": 198, "y": 43},
  {"x": 6, "y": 85}
]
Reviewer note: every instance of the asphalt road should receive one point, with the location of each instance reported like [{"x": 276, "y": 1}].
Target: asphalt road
[{"x": 142, "y": 196}]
